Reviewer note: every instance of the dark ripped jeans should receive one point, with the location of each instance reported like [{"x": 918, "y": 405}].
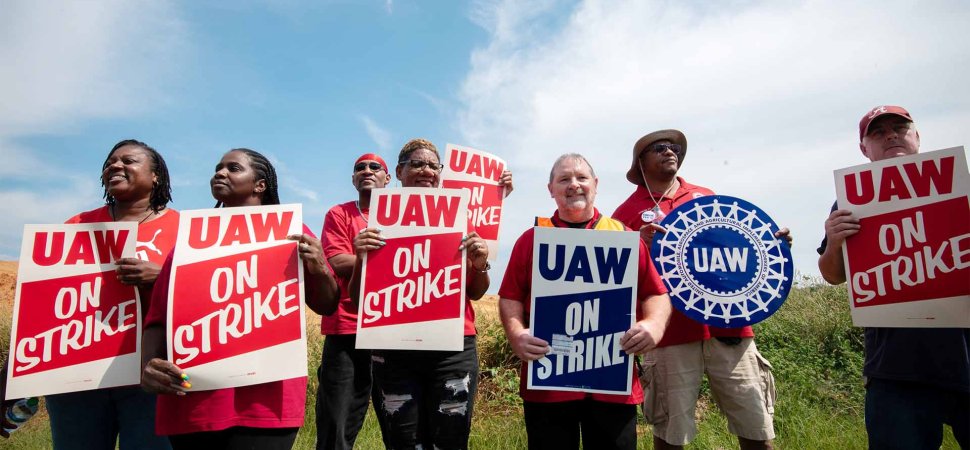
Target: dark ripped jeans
[{"x": 425, "y": 398}]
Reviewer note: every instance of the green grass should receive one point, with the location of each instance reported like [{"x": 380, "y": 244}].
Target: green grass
[{"x": 814, "y": 350}]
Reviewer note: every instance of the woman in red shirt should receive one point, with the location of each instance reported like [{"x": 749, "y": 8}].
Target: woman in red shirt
[
  {"x": 265, "y": 416},
  {"x": 136, "y": 189}
]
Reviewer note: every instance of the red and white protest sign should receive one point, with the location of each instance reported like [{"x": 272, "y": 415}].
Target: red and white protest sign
[
  {"x": 235, "y": 305},
  {"x": 909, "y": 264},
  {"x": 75, "y": 326},
  {"x": 478, "y": 172},
  {"x": 412, "y": 293}
]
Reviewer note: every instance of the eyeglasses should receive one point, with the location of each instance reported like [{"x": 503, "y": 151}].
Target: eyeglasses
[
  {"x": 417, "y": 164},
  {"x": 660, "y": 148},
  {"x": 373, "y": 166}
]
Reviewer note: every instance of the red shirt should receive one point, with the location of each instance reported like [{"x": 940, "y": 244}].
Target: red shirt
[
  {"x": 277, "y": 404},
  {"x": 517, "y": 286},
  {"x": 340, "y": 225},
  {"x": 681, "y": 328},
  {"x": 156, "y": 238},
  {"x": 154, "y": 242}
]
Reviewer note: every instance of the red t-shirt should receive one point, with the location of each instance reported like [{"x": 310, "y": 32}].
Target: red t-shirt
[
  {"x": 277, "y": 404},
  {"x": 340, "y": 225},
  {"x": 154, "y": 242},
  {"x": 681, "y": 328},
  {"x": 156, "y": 238},
  {"x": 517, "y": 286}
]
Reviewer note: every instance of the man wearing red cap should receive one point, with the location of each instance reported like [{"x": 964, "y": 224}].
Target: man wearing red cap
[
  {"x": 345, "y": 372},
  {"x": 740, "y": 378},
  {"x": 917, "y": 379}
]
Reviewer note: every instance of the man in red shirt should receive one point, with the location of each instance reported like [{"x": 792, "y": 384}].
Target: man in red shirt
[
  {"x": 740, "y": 378},
  {"x": 345, "y": 372},
  {"x": 555, "y": 419}
]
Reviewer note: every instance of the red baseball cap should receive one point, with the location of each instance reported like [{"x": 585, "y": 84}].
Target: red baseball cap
[{"x": 880, "y": 111}]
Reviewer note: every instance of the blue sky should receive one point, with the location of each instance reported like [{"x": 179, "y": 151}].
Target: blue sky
[{"x": 768, "y": 93}]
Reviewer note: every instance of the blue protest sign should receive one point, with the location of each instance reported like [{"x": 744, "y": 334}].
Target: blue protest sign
[
  {"x": 721, "y": 262},
  {"x": 583, "y": 302}
]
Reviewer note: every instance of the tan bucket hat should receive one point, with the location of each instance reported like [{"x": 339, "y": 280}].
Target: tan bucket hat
[{"x": 674, "y": 136}]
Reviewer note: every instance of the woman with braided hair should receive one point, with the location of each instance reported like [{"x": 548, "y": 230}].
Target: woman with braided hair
[{"x": 263, "y": 416}]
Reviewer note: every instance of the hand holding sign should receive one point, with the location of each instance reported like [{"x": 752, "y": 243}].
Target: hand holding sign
[
  {"x": 647, "y": 231},
  {"x": 369, "y": 239},
  {"x": 477, "y": 251},
  {"x": 133, "y": 271},
  {"x": 506, "y": 181},
  {"x": 162, "y": 377},
  {"x": 839, "y": 226},
  {"x": 528, "y": 347},
  {"x": 641, "y": 337},
  {"x": 311, "y": 251}
]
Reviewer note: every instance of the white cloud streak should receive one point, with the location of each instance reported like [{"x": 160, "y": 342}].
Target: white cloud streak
[
  {"x": 768, "y": 93},
  {"x": 379, "y": 135}
]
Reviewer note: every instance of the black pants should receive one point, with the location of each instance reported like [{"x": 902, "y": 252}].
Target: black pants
[
  {"x": 426, "y": 398},
  {"x": 907, "y": 415},
  {"x": 344, "y": 391},
  {"x": 558, "y": 426},
  {"x": 237, "y": 438}
]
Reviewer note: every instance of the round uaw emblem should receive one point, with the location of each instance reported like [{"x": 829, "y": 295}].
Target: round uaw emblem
[{"x": 722, "y": 263}]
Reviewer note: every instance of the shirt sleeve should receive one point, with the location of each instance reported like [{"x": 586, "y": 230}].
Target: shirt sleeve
[
  {"x": 337, "y": 237},
  {"x": 825, "y": 239},
  {"x": 158, "y": 307},
  {"x": 517, "y": 281},
  {"x": 649, "y": 281}
]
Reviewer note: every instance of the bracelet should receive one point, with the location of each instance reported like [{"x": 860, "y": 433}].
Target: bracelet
[{"x": 488, "y": 266}]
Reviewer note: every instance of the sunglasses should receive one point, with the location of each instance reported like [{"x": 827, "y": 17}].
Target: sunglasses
[
  {"x": 373, "y": 166},
  {"x": 417, "y": 164},
  {"x": 660, "y": 148}
]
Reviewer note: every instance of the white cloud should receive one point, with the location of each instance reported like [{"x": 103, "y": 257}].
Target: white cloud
[
  {"x": 389, "y": 6},
  {"x": 379, "y": 135},
  {"x": 69, "y": 61},
  {"x": 65, "y": 63},
  {"x": 768, "y": 93}
]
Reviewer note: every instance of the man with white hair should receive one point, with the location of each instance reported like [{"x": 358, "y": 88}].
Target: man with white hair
[{"x": 557, "y": 419}]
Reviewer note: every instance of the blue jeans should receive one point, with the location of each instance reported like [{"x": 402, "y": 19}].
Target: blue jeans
[
  {"x": 344, "y": 392},
  {"x": 907, "y": 415},
  {"x": 95, "y": 420},
  {"x": 425, "y": 398}
]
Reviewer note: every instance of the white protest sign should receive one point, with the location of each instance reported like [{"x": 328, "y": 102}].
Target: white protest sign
[
  {"x": 236, "y": 303},
  {"x": 412, "y": 293},
  {"x": 75, "y": 326},
  {"x": 478, "y": 172},
  {"x": 909, "y": 264}
]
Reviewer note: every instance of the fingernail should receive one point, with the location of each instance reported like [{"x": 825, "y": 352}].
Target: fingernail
[
  {"x": 185, "y": 376},
  {"x": 180, "y": 393},
  {"x": 187, "y": 385}
]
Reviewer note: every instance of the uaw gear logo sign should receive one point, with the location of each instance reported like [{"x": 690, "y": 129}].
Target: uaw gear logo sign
[{"x": 721, "y": 262}]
